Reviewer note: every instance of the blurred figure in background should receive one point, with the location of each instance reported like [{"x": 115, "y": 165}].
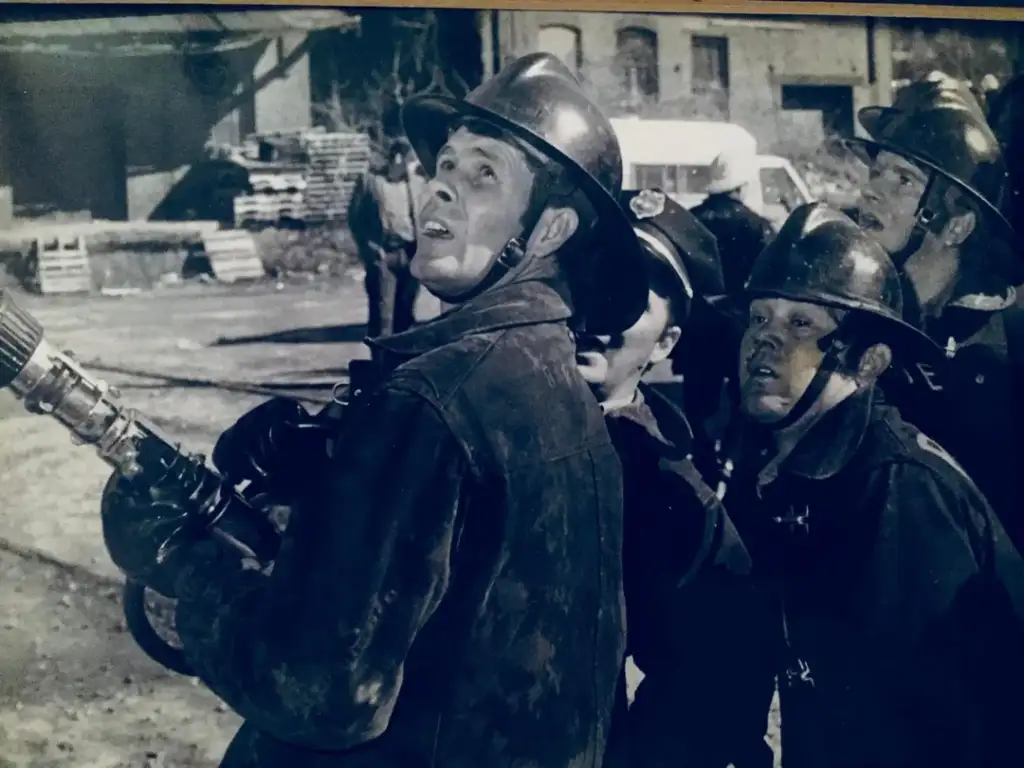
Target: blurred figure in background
[
  {"x": 742, "y": 233},
  {"x": 382, "y": 218}
]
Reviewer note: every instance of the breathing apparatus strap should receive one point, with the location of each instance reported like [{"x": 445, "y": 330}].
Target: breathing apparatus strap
[{"x": 833, "y": 345}]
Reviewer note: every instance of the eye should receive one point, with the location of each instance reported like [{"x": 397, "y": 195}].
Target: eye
[
  {"x": 487, "y": 172},
  {"x": 445, "y": 164},
  {"x": 757, "y": 318},
  {"x": 800, "y": 322}
]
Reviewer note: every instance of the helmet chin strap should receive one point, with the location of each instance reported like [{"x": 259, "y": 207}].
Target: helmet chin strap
[
  {"x": 511, "y": 256},
  {"x": 926, "y": 220},
  {"x": 833, "y": 346}
]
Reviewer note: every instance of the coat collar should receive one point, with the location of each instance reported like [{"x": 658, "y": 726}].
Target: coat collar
[
  {"x": 659, "y": 417},
  {"x": 829, "y": 445},
  {"x": 526, "y": 302}
]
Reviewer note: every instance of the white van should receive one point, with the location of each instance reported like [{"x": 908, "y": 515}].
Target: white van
[{"x": 676, "y": 155}]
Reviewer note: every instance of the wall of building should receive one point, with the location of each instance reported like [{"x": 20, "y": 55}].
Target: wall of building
[
  {"x": 113, "y": 135},
  {"x": 764, "y": 55}
]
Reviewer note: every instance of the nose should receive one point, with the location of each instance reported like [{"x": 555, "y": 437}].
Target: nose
[
  {"x": 439, "y": 189},
  {"x": 766, "y": 336},
  {"x": 871, "y": 191}
]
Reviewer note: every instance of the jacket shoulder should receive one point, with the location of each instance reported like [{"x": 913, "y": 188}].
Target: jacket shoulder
[
  {"x": 516, "y": 393},
  {"x": 895, "y": 441}
]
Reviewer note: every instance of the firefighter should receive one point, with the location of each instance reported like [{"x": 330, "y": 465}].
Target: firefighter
[
  {"x": 898, "y": 599},
  {"x": 742, "y": 232},
  {"x": 449, "y": 585},
  {"x": 680, "y": 552},
  {"x": 382, "y": 219},
  {"x": 936, "y": 180}
]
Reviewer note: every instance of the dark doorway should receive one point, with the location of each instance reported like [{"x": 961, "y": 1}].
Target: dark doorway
[
  {"x": 66, "y": 150},
  {"x": 835, "y": 102}
]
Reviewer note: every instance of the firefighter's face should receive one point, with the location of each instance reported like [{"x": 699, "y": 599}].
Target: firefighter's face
[
  {"x": 613, "y": 365},
  {"x": 889, "y": 203},
  {"x": 469, "y": 211},
  {"x": 780, "y": 354}
]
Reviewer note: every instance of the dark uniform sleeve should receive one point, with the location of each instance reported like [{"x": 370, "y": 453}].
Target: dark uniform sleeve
[
  {"x": 969, "y": 579},
  {"x": 717, "y": 542},
  {"x": 958, "y": 532},
  {"x": 313, "y": 652}
]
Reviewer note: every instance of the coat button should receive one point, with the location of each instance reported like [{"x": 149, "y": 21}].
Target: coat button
[{"x": 979, "y": 379}]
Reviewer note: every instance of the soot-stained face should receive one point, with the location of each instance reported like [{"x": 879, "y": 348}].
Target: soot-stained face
[
  {"x": 780, "y": 354},
  {"x": 471, "y": 208}
]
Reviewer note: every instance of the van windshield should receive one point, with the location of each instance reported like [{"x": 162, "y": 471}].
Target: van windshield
[
  {"x": 674, "y": 179},
  {"x": 779, "y": 189}
]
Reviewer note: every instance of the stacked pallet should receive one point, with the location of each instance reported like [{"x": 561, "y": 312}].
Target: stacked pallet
[
  {"x": 276, "y": 199},
  {"x": 336, "y": 161},
  {"x": 300, "y": 177}
]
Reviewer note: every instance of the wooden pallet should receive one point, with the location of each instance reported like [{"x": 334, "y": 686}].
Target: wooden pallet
[
  {"x": 61, "y": 265},
  {"x": 233, "y": 255}
]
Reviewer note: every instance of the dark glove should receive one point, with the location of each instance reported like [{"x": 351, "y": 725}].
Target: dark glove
[
  {"x": 278, "y": 445},
  {"x": 137, "y": 521}
]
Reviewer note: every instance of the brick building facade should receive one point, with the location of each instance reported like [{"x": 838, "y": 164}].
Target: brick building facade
[{"x": 783, "y": 79}]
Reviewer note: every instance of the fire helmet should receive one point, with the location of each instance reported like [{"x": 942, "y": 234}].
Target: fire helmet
[
  {"x": 537, "y": 100},
  {"x": 938, "y": 124},
  {"x": 820, "y": 256}
]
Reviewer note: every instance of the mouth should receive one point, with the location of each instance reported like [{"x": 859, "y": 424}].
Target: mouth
[
  {"x": 761, "y": 371},
  {"x": 433, "y": 228},
  {"x": 868, "y": 220}
]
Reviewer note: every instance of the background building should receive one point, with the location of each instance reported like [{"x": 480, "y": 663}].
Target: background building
[{"x": 788, "y": 81}]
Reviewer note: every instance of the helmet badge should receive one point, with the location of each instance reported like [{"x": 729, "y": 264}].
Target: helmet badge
[{"x": 648, "y": 204}]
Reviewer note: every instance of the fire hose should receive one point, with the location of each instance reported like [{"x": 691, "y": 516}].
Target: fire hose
[{"x": 53, "y": 383}]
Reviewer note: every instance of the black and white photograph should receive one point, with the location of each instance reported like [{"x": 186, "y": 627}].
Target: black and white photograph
[{"x": 415, "y": 387}]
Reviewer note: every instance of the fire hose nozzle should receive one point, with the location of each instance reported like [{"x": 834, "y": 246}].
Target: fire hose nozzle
[{"x": 20, "y": 336}]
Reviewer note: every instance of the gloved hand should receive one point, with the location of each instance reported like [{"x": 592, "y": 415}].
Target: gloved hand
[
  {"x": 277, "y": 445},
  {"x": 137, "y": 520}
]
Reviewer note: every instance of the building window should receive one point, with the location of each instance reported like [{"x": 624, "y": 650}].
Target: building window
[
  {"x": 834, "y": 102},
  {"x": 709, "y": 80},
  {"x": 637, "y": 64},
  {"x": 562, "y": 41}
]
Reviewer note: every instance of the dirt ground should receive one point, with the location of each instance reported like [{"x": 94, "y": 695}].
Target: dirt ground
[{"x": 74, "y": 689}]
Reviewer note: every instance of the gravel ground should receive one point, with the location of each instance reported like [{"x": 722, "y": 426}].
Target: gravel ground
[{"x": 75, "y": 691}]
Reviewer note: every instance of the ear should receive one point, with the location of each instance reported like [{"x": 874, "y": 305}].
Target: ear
[
  {"x": 873, "y": 363},
  {"x": 553, "y": 230},
  {"x": 960, "y": 228},
  {"x": 666, "y": 344}
]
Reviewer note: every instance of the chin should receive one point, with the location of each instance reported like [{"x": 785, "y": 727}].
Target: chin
[
  {"x": 764, "y": 410},
  {"x": 436, "y": 270}
]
